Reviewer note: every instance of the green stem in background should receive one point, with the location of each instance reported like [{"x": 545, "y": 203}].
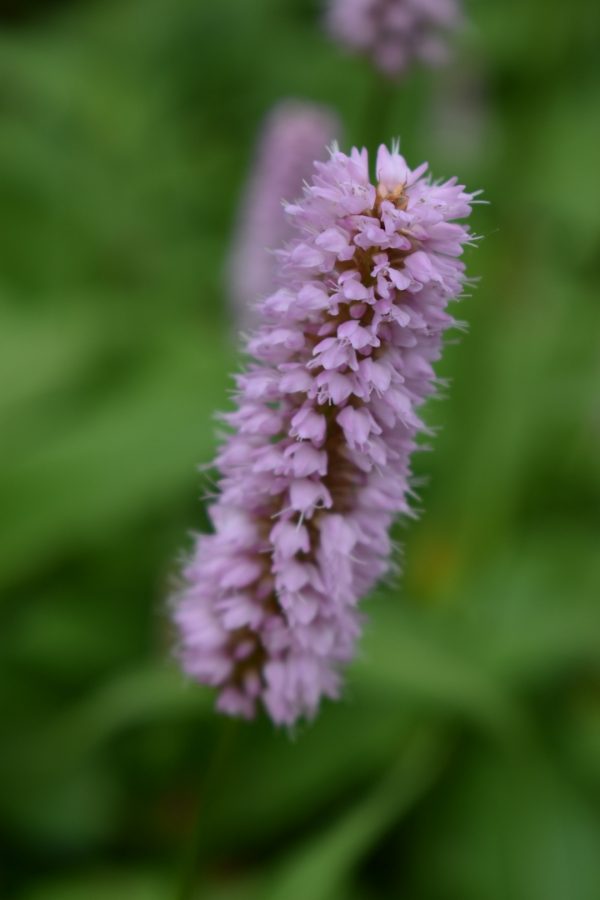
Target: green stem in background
[
  {"x": 209, "y": 790},
  {"x": 378, "y": 109}
]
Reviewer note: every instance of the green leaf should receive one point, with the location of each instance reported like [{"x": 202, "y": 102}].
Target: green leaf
[
  {"x": 109, "y": 884},
  {"x": 506, "y": 827},
  {"x": 408, "y": 655},
  {"x": 320, "y": 867}
]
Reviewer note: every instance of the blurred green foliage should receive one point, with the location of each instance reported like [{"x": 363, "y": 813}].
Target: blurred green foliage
[{"x": 464, "y": 761}]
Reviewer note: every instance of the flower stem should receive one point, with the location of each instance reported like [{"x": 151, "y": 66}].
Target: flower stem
[
  {"x": 378, "y": 109},
  {"x": 209, "y": 789}
]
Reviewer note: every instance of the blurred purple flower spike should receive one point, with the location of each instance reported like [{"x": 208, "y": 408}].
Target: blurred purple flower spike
[
  {"x": 394, "y": 33},
  {"x": 317, "y": 466},
  {"x": 295, "y": 134}
]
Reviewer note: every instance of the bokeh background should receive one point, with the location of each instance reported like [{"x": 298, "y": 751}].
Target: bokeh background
[{"x": 464, "y": 761}]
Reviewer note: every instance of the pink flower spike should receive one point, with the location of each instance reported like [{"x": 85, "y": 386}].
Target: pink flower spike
[
  {"x": 394, "y": 34},
  {"x": 294, "y": 135},
  {"x": 317, "y": 465}
]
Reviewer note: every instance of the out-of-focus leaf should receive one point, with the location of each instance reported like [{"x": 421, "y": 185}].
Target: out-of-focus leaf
[
  {"x": 320, "y": 867},
  {"x": 104, "y": 885},
  {"x": 139, "y": 884},
  {"x": 506, "y": 827},
  {"x": 530, "y": 405},
  {"x": 73, "y": 811},
  {"x": 158, "y": 692},
  {"x": 136, "y": 698},
  {"x": 54, "y": 784},
  {"x": 111, "y": 462},
  {"x": 406, "y": 655},
  {"x": 536, "y": 614},
  {"x": 291, "y": 778},
  {"x": 579, "y": 735},
  {"x": 39, "y": 356}
]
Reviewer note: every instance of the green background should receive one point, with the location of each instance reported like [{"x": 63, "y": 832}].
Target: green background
[{"x": 464, "y": 761}]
